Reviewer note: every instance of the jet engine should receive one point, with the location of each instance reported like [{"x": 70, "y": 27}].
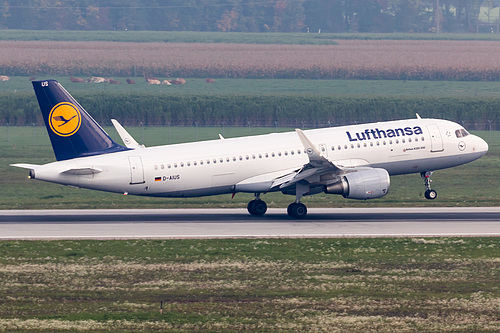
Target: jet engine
[{"x": 362, "y": 185}]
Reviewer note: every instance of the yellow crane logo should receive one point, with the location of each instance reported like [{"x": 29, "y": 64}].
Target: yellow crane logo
[{"x": 65, "y": 119}]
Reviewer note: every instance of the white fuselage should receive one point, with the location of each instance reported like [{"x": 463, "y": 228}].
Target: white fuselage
[{"x": 244, "y": 164}]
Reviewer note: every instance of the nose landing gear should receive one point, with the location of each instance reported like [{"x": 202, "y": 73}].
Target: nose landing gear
[{"x": 429, "y": 193}]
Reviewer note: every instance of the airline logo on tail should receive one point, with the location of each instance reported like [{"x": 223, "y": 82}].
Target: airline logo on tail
[{"x": 65, "y": 119}]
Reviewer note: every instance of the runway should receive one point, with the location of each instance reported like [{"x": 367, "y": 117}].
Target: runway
[{"x": 237, "y": 223}]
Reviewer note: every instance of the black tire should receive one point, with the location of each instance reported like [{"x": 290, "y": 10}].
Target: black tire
[
  {"x": 431, "y": 194},
  {"x": 297, "y": 210},
  {"x": 257, "y": 207},
  {"x": 250, "y": 207}
]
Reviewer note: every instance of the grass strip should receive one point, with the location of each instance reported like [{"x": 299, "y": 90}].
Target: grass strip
[{"x": 287, "y": 285}]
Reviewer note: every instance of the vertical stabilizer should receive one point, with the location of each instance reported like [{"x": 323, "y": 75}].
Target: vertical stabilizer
[{"x": 72, "y": 131}]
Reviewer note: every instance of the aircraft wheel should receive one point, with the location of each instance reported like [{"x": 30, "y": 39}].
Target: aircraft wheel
[
  {"x": 257, "y": 207},
  {"x": 297, "y": 210},
  {"x": 431, "y": 194}
]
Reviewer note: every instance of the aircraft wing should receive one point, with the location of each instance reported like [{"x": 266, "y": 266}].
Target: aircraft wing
[
  {"x": 317, "y": 170},
  {"x": 312, "y": 171}
]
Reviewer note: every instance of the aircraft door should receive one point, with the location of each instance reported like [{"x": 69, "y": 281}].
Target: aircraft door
[
  {"x": 436, "y": 139},
  {"x": 136, "y": 170}
]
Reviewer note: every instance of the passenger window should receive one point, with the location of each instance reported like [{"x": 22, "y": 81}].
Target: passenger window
[
  {"x": 286, "y": 153},
  {"x": 162, "y": 166},
  {"x": 182, "y": 164},
  {"x": 175, "y": 165},
  {"x": 292, "y": 152},
  {"x": 338, "y": 147},
  {"x": 221, "y": 160},
  {"x": 359, "y": 146}
]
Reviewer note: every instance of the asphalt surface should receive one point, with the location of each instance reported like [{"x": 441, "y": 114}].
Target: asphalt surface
[{"x": 237, "y": 223}]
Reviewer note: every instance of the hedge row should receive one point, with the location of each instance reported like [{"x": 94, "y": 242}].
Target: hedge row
[{"x": 156, "y": 110}]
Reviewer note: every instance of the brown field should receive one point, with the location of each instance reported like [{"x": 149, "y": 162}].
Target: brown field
[{"x": 351, "y": 59}]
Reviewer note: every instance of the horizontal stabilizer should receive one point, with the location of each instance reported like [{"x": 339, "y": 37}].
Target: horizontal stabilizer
[
  {"x": 25, "y": 166},
  {"x": 81, "y": 171}
]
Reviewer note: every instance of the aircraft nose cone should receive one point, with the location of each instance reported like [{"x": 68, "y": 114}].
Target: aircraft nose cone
[{"x": 481, "y": 146}]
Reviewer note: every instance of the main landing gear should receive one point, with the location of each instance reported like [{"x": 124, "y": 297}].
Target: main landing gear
[
  {"x": 429, "y": 193},
  {"x": 257, "y": 207},
  {"x": 296, "y": 209}
]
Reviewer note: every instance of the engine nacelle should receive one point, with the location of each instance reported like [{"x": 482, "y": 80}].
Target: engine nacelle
[{"x": 362, "y": 185}]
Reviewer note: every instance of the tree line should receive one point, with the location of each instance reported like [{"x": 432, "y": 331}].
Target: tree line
[
  {"x": 22, "y": 109},
  {"x": 334, "y": 16}
]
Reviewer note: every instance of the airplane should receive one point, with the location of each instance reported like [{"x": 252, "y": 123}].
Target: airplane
[{"x": 353, "y": 161}]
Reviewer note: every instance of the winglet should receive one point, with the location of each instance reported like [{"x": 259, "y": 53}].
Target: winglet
[
  {"x": 311, "y": 151},
  {"x": 127, "y": 139},
  {"x": 315, "y": 158}
]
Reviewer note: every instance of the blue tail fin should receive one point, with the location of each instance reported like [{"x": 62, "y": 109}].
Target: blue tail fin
[{"x": 72, "y": 131}]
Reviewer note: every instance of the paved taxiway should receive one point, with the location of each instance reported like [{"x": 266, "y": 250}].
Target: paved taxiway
[{"x": 237, "y": 223}]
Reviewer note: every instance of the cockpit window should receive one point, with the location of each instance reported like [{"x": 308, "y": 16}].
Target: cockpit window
[{"x": 461, "y": 133}]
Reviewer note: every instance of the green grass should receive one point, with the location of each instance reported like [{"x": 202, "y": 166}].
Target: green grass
[
  {"x": 474, "y": 184},
  {"x": 334, "y": 285},
  {"x": 274, "y": 87},
  {"x": 167, "y": 37},
  {"x": 225, "y": 37}
]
